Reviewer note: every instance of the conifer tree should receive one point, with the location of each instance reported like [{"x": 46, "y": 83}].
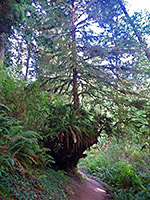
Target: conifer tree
[{"x": 88, "y": 51}]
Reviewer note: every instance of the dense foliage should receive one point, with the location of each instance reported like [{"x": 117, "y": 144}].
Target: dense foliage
[
  {"x": 123, "y": 165},
  {"x": 71, "y": 71},
  {"x": 23, "y": 163}
]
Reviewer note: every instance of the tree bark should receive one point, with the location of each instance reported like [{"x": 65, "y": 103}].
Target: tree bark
[
  {"x": 27, "y": 64},
  {"x": 2, "y": 50},
  {"x": 141, "y": 41},
  {"x": 66, "y": 153},
  {"x": 74, "y": 59}
]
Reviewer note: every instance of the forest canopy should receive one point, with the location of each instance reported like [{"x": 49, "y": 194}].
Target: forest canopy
[{"x": 74, "y": 69}]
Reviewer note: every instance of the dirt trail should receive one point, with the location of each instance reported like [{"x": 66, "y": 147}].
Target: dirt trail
[{"x": 93, "y": 190}]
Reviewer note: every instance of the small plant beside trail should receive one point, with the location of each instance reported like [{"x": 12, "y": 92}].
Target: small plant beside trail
[{"x": 123, "y": 166}]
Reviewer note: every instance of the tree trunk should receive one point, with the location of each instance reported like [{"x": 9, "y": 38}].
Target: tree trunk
[
  {"x": 75, "y": 89},
  {"x": 27, "y": 65},
  {"x": 65, "y": 152},
  {"x": 74, "y": 59},
  {"x": 2, "y": 50}
]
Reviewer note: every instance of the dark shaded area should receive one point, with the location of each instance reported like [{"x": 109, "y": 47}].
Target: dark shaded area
[
  {"x": 67, "y": 133},
  {"x": 66, "y": 152},
  {"x": 8, "y": 15}
]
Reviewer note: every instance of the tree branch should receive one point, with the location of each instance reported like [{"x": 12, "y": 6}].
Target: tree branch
[{"x": 145, "y": 48}]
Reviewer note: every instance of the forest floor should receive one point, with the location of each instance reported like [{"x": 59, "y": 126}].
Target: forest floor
[{"x": 90, "y": 190}]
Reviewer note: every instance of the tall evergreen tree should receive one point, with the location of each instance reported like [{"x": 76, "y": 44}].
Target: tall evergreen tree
[
  {"x": 88, "y": 47},
  {"x": 88, "y": 51}
]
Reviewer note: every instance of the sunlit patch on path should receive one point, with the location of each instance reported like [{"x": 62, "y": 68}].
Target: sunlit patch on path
[{"x": 92, "y": 190}]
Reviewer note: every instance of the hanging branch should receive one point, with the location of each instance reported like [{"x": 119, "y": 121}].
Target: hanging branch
[{"x": 141, "y": 41}]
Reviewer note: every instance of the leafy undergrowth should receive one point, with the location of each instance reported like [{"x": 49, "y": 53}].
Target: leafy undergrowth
[
  {"x": 123, "y": 165},
  {"x": 47, "y": 184},
  {"x": 23, "y": 165}
]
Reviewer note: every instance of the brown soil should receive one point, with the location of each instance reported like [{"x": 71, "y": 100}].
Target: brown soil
[{"x": 92, "y": 190}]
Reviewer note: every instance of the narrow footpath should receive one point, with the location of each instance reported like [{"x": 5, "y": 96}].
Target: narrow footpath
[{"x": 92, "y": 190}]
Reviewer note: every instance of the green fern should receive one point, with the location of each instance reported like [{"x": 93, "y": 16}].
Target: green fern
[{"x": 18, "y": 148}]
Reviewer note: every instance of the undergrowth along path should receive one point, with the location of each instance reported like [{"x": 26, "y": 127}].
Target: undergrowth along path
[{"x": 92, "y": 190}]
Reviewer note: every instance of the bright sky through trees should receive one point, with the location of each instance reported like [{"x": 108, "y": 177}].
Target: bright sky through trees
[{"x": 138, "y": 5}]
